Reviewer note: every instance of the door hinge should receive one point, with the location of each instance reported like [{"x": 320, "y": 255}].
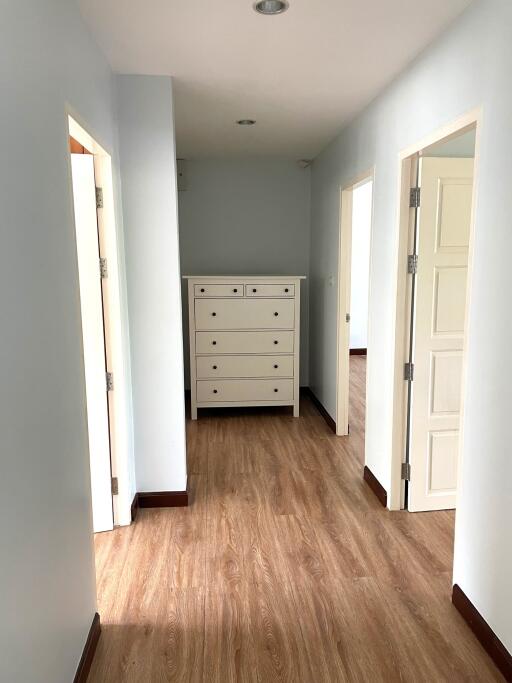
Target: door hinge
[
  {"x": 99, "y": 197},
  {"x": 415, "y": 197},
  {"x": 412, "y": 264},
  {"x": 103, "y": 268},
  {"x": 347, "y": 317},
  {"x": 115, "y": 486},
  {"x": 110, "y": 381},
  {"x": 406, "y": 471},
  {"x": 409, "y": 372}
]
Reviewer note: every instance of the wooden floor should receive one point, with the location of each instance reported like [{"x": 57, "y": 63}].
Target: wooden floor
[{"x": 284, "y": 568}]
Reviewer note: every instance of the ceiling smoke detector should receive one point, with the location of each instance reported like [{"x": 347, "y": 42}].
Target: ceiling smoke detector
[
  {"x": 270, "y": 7},
  {"x": 246, "y": 122}
]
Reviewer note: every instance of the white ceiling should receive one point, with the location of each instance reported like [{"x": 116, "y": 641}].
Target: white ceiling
[{"x": 302, "y": 75}]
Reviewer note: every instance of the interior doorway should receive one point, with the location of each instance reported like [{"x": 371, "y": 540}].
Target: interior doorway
[
  {"x": 100, "y": 306},
  {"x": 356, "y": 209},
  {"x": 436, "y": 229},
  {"x": 94, "y": 334}
]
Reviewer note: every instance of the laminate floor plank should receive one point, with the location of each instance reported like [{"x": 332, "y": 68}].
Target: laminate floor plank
[
  {"x": 188, "y": 538},
  {"x": 230, "y": 653},
  {"x": 284, "y": 568},
  {"x": 277, "y": 632}
]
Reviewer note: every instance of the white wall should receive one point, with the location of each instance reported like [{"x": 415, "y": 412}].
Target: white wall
[
  {"x": 469, "y": 66},
  {"x": 148, "y": 173},
  {"x": 360, "y": 265},
  {"x": 247, "y": 217},
  {"x": 47, "y": 594}
]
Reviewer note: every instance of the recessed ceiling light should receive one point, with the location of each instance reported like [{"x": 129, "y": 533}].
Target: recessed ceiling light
[
  {"x": 270, "y": 7},
  {"x": 246, "y": 122}
]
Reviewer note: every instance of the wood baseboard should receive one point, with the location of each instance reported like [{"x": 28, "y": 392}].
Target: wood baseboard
[
  {"x": 488, "y": 639},
  {"x": 87, "y": 657},
  {"x": 358, "y": 352},
  {"x": 158, "y": 499},
  {"x": 375, "y": 486},
  {"x": 332, "y": 424},
  {"x": 135, "y": 506},
  {"x": 162, "y": 499}
]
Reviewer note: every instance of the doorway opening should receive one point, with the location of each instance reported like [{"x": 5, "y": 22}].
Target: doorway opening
[
  {"x": 356, "y": 209},
  {"x": 100, "y": 306},
  {"x": 434, "y": 285}
]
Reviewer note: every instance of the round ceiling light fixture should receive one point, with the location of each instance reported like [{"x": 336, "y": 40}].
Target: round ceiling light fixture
[
  {"x": 271, "y": 7},
  {"x": 246, "y": 122}
]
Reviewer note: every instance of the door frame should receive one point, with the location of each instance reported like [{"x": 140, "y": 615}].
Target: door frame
[
  {"x": 408, "y": 159},
  {"x": 344, "y": 291},
  {"x": 115, "y": 331}
]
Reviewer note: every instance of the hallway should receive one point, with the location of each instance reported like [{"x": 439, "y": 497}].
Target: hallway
[{"x": 284, "y": 568}]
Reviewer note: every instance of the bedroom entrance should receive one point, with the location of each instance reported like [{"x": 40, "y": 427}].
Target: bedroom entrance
[{"x": 438, "y": 222}]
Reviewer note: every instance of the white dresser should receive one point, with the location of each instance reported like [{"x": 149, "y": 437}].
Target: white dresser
[{"x": 244, "y": 341}]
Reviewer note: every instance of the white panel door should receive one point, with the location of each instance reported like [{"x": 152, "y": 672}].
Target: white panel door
[
  {"x": 84, "y": 196},
  {"x": 443, "y": 246}
]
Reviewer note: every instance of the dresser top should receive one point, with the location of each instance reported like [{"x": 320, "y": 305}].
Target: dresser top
[{"x": 211, "y": 278}]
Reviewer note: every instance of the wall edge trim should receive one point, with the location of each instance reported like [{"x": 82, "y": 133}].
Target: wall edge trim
[
  {"x": 84, "y": 666},
  {"x": 499, "y": 654},
  {"x": 134, "y": 509},
  {"x": 320, "y": 407},
  {"x": 375, "y": 486},
  {"x": 161, "y": 499}
]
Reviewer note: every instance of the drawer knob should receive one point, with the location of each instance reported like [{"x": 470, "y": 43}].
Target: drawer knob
[
  {"x": 214, "y": 367},
  {"x": 214, "y": 342},
  {"x": 254, "y": 290},
  {"x": 235, "y": 290},
  {"x": 275, "y": 341},
  {"x": 214, "y": 314},
  {"x": 276, "y": 313},
  {"x": 275, "y": 367},
  {"x": 286, "y": 290},
  {"x": 202, "y": 290},
  {"x": 215, "y": 391},
  {"x": 276, "y": 390}
]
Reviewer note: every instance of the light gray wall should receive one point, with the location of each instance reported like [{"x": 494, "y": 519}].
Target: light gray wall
[
  {"x": 247, "y": 217},
  {"x": 47, "y": 582},
  {"x": 148, "y": 174},
  {"x": 460, "y": 147},
  {"x": 469, "y": 66}
]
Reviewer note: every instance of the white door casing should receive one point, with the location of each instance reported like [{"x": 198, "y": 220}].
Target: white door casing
[
  {"x": 343, "y": 326},
  {"x": 84, "y": 198},
  {"x": 344, "y": 297},
  {"x": 440, "y": 314}
]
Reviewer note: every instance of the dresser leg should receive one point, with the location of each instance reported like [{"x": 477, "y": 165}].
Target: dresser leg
[
  {"x": 295, "y": 410},
  {"x": 193, "y": 412}
]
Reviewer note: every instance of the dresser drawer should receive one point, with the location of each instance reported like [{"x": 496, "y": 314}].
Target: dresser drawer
[
  {"x": 205, "y": 290},
  {"x": 244, "y": 342},
  {"x": 244, "y": 366},
  {"x": 256, "y": 290},
  {"x": 244, "y": 314},
  {"x": 244, "y": 390}
]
